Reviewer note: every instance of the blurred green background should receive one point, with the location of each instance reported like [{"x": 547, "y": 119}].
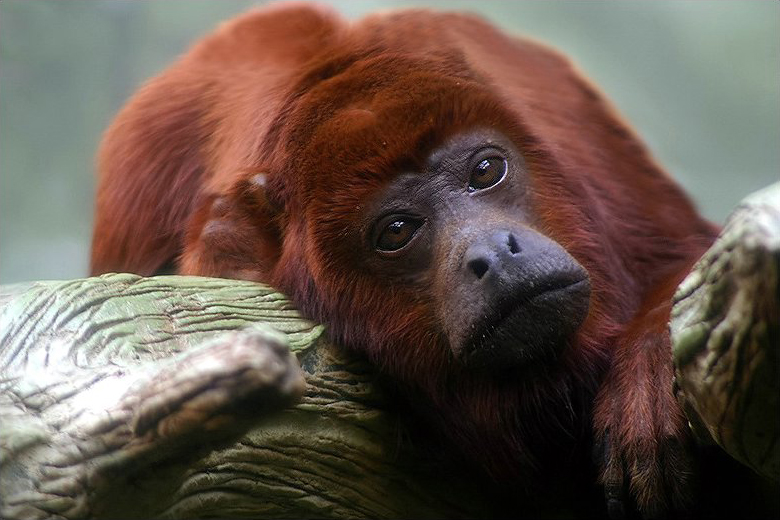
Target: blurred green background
[{"x": 699, "y": 80}]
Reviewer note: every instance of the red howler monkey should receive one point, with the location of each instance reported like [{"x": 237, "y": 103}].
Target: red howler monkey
[{"x": 458, "y": 204}]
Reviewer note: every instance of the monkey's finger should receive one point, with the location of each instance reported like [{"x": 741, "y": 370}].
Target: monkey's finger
[
  {"x": 679, "y": 477},
  {"x": 646, "y": 477},
  {"x": 612, "y": 478}
]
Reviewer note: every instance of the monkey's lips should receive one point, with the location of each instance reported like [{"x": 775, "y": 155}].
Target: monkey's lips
[{"x": 534, "y": 326}]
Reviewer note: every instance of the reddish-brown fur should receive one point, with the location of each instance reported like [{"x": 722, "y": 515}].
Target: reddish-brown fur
[{"x": 250, "y": 156}]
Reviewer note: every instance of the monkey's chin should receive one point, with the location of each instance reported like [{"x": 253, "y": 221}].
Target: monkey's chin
[{"x": 530, "y": 331}]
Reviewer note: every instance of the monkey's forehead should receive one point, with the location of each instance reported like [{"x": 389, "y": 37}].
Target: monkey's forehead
[{"x": 377, "y": 117}]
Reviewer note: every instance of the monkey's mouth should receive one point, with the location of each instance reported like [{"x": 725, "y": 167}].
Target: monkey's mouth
[{"x": 532, "y": 327}]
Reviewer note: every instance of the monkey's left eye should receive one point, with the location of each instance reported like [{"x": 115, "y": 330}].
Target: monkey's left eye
[
  {"x": 397, "y": 233},
  {"x": 487, "y": 172}
]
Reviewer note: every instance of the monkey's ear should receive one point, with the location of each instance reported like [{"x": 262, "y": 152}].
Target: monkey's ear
[{"x": 234, "y": 235}]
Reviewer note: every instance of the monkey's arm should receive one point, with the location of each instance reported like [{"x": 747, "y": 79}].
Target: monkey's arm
[{"x": 642, "y": 441}]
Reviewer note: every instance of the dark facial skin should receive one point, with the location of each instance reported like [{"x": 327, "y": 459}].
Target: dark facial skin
[{"x": 505, "y": 294}]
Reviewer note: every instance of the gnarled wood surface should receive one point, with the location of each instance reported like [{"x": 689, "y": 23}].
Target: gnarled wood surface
[{"x": 726, "y": 334}]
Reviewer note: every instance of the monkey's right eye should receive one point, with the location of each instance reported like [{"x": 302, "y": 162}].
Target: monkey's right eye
[
  {"x": 397, "y": 233},
  {"x": 487, "y": 173}
]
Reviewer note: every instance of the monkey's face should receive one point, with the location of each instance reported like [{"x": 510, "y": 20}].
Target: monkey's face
[
  {"x": 456, "y": 234},
  {"x": 504, "y": 292}
]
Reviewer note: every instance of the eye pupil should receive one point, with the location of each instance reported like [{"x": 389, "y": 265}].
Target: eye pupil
[
  {"x": 397, "y": 234},
  {"x": 487, "y": 173}
]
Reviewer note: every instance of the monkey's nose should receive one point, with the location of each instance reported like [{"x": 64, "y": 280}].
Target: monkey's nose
[
  {"x": 479, "y": 266},
  {"x": 490, "y": 253}
]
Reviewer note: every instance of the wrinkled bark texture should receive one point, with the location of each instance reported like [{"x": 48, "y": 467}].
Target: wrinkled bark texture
[
  {"x": 187, "y": 397},
  {"x": 726, "y": 333}
]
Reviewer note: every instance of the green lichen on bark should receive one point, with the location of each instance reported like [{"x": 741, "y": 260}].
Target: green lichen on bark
[{"x": 726, "y": 334}]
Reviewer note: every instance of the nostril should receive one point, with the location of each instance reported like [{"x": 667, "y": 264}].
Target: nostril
[
  {"x": 514, "y": 247},
  {"x": 479, "y": 266}
]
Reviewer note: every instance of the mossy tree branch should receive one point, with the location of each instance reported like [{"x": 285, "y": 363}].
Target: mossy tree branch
[{"x": 726, "y": 333}]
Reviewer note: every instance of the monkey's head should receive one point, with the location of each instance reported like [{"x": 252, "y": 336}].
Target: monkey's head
[{"x": 401, "y": 211}]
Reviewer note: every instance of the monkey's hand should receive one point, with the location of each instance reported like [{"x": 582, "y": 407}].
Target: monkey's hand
[{"x": 641, "y": 436}]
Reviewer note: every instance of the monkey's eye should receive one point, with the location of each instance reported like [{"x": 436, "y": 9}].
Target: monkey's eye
[
  {"x": 487, "y": 173},
  {"x": 397, "y": 233}
]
